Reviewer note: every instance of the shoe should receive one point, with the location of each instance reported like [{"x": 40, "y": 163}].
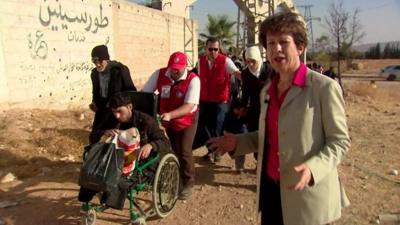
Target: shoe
[
  {"x": 217, "y": 158},
  {"x": 139, "y": 221},
  {"x": 185, "y": 193},
  {"x": 240, "y": 170}
]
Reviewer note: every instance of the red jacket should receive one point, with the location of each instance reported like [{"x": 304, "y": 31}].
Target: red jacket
[
  {"x": 175, "y": 99},
  {"x": 215, "y": 82}
]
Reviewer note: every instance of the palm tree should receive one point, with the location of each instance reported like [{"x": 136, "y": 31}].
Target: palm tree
[{"x": 220, "y": 27}]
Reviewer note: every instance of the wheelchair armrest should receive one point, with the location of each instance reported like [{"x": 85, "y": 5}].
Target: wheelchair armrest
[{"x": 140, "y": 165}]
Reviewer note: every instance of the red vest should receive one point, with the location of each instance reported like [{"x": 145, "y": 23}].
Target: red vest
[
  {"x": 175, "y": 99},
  {"x": 215, "y": 83}
]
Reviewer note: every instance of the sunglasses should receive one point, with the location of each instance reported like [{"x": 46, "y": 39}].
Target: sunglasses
[{"x": 213, "y": 49}]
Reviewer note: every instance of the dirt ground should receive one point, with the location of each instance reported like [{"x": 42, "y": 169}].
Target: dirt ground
[{"x": 43, "y": 148}]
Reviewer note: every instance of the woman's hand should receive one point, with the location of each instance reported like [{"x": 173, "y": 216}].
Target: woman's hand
[
  {"x": 222, "y": 145},
  {"x": 305, "y": 177},
  {"x": 145, "y": 151}
]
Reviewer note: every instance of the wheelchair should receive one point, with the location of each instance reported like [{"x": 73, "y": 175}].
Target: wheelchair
[{"x": 157, "y": 176}]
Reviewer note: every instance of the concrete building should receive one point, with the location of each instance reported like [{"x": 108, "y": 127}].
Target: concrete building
[
  {"x": 174, "y": 7},
  {"x": 45, "y": 46},
  {"x": 255, "y": 11}
]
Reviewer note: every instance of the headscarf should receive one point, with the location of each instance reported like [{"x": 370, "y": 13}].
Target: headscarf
[{"x": 255, "y": 54}]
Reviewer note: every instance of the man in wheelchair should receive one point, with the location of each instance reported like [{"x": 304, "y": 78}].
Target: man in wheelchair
[{"x": 152, "y": 139}]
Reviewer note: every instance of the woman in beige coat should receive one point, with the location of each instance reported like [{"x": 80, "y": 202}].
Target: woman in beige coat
[{"x": 302, "y": 134}]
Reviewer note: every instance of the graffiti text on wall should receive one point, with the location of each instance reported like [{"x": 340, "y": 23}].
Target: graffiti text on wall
[
  {"x": 76, "y": 36},
  {"x": 67, "y": 68},
  {"x": 85, "y": 67},
  {"x": 92, "y": 23},
  {"x": 37, "y": 46}
]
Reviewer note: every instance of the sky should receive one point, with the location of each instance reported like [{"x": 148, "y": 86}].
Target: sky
[{"x": 379, "y": 18}]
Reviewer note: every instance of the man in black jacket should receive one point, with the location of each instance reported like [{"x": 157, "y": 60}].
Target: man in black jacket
[
  {"x": 109, "y": 77},
  {"x": 330, "y": 73},
  {"x": 152, "y": 139}
]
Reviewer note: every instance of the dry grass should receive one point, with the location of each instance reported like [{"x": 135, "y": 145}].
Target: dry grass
[
  {"x": 368, "y": 66},
  {"x": 373, "y": 111},
  {"x": 372, "y": 90},
  {"x": 364, "y": 89}
]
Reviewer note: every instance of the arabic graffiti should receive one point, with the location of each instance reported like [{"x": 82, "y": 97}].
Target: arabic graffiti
[
  {"x": 84, "y": 18},
  {"x": 107, "y": 40},
  {"x": 37, "y": 46},
  {"x": 46, "y": 75},
  {"x": 59, "y": 69},
  {"x": 76, "y": 36},
  {"x": 75, "y": 67}
]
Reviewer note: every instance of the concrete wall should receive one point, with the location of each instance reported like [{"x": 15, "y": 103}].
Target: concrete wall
[
  {"x": 45, "y": 46},
  {"x": 178, "y": 7}
]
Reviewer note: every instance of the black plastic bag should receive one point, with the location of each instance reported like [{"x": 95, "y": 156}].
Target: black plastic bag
[{"x": 102, "y": 167}]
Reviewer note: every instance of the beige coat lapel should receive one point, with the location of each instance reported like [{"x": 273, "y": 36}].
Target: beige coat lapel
[{"x": 293, "y": 92}]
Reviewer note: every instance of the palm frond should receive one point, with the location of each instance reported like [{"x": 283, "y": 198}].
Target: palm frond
[{"x": 221, "y": 27}]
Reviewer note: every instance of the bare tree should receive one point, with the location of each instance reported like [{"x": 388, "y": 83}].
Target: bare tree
[
  {"x": 322, "y": 43},
  {"x": 345, "y": 29}
]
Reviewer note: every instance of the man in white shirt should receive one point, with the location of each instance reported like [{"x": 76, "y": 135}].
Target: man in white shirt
[
  {"x": 179, "y": 98},
  {"x": 215, "y": 70}
]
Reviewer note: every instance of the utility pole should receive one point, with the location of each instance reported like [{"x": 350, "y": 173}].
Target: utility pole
[
  {"x": 271, "y": 7},
  {"x": 238, "y": 33},
  {"x": 308, "y": 18}
]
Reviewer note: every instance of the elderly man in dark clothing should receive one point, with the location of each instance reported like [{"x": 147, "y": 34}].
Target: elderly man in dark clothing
[{"x": 109, "y": 77}]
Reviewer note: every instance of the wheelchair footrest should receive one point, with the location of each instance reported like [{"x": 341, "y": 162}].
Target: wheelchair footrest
[
  {"x": 139, "y": 221},
  {"x": 88, "y": 206}
]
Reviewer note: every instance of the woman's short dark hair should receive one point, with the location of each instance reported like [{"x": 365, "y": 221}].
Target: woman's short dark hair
[{"x": 284, "y": 23}]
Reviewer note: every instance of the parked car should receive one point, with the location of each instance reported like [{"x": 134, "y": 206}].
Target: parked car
[{"x": 391, "y": 72}]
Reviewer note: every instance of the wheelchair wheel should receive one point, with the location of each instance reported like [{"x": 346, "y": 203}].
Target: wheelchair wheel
[
  {"x": 89, "y": 217},
  {"x": 166, "y": 185}
]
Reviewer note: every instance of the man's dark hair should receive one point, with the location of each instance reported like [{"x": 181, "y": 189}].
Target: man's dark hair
[
  {"x": 213, "y": 40},
  {"x": 119, "y": 99}
]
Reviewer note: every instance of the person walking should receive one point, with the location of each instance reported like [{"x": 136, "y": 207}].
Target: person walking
[
  {"x": 253, "y": 79},
  {"x": 214, "y": 71},
  {"x": 108, "y": 78},
  {"x": 179, "y": 98}
]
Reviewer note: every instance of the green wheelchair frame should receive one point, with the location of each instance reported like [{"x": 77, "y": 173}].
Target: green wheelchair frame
[{"x": 165, "y": 187}]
